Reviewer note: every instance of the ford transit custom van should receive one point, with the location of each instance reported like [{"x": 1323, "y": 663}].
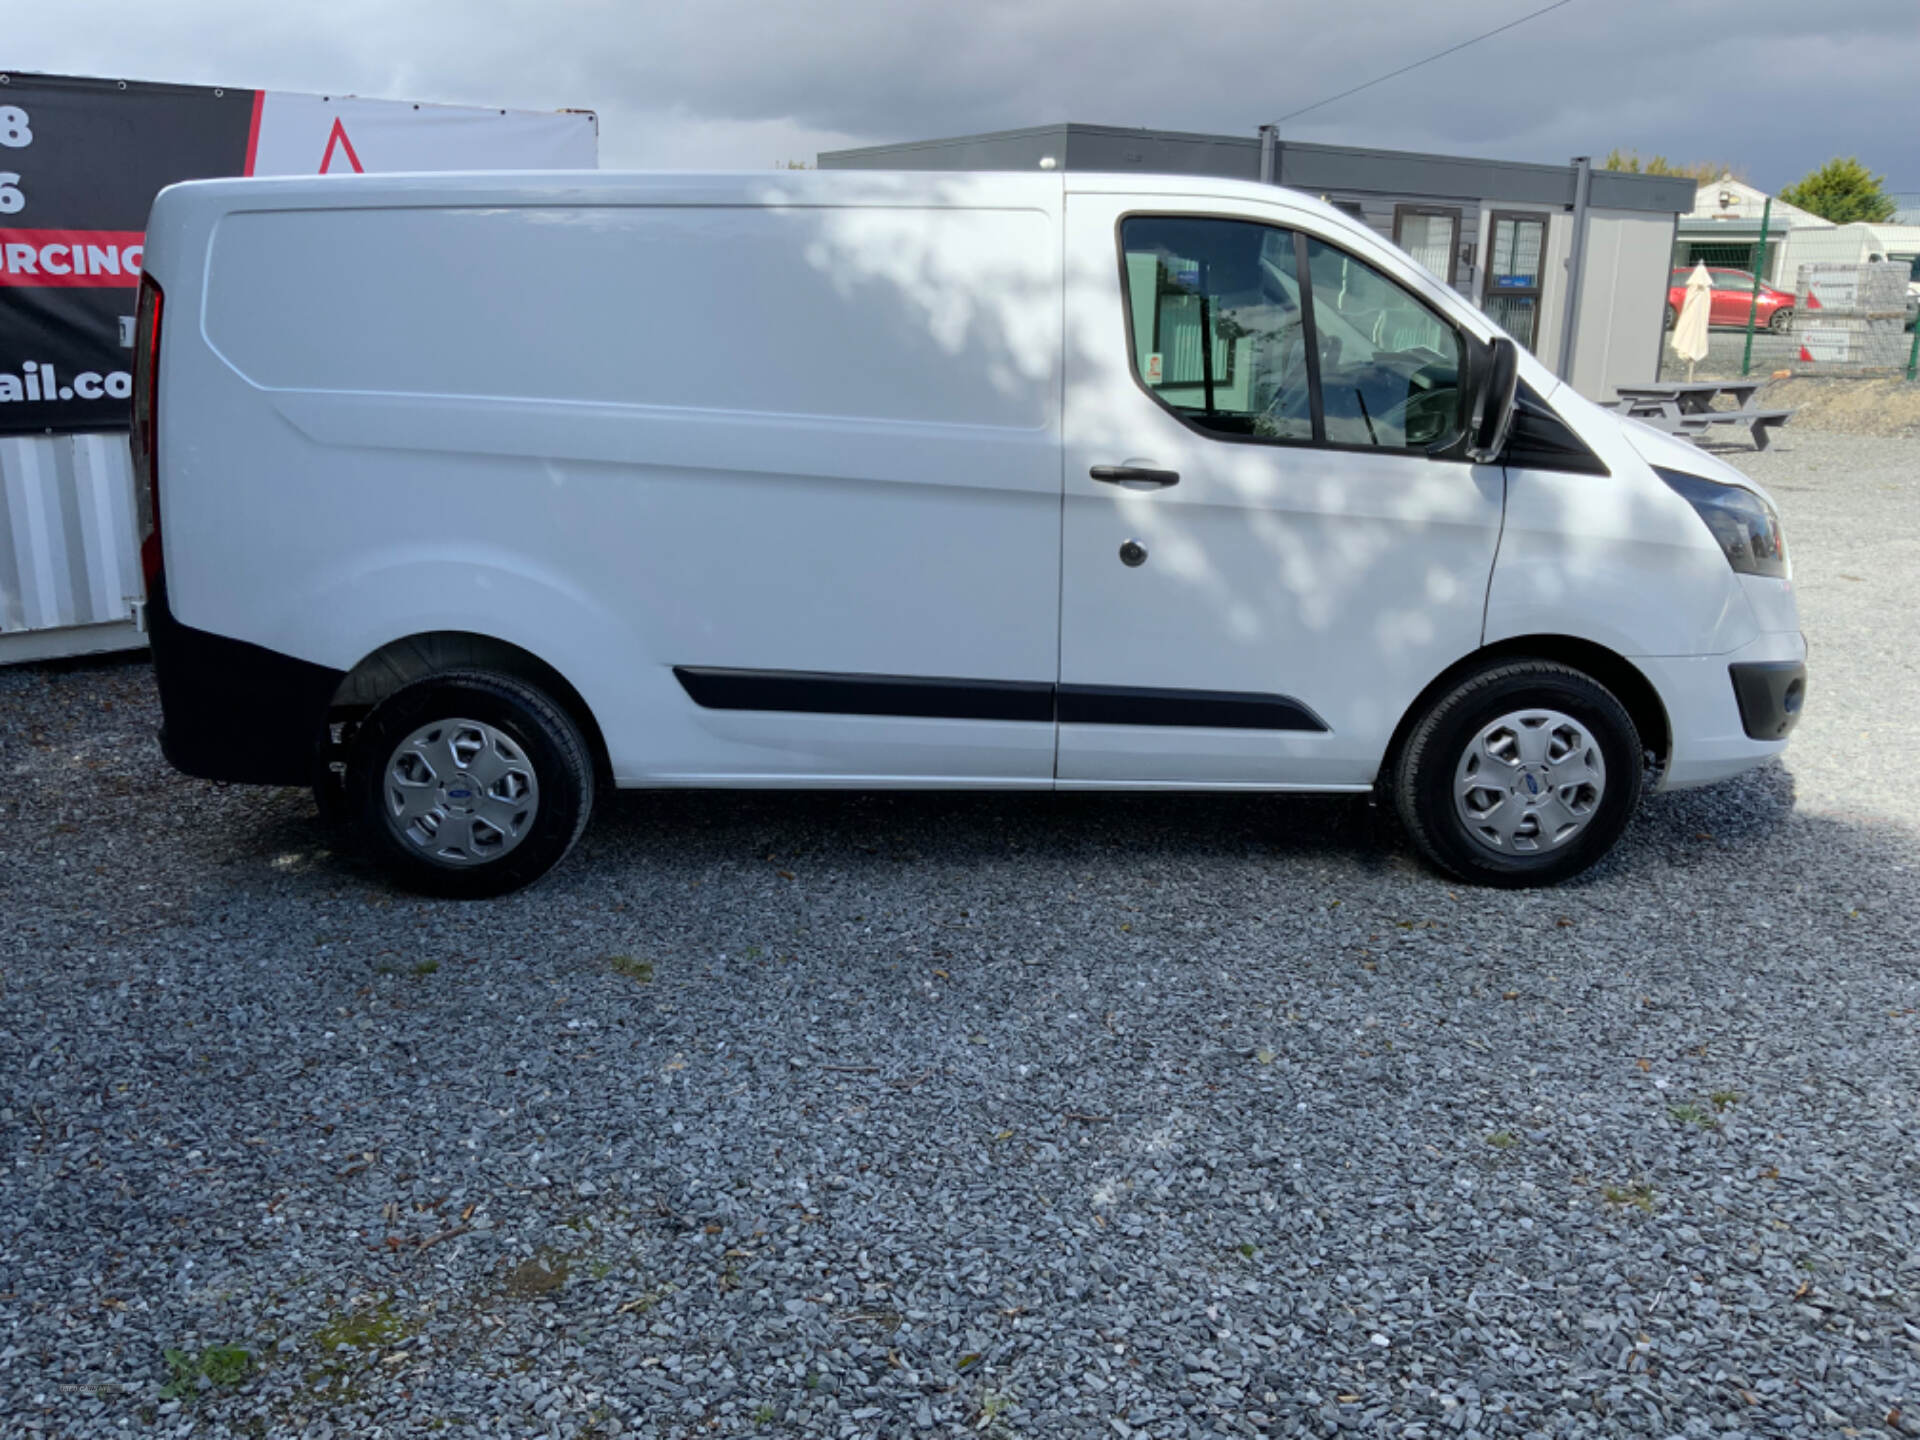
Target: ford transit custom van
[{"x": 465, "y": 498}]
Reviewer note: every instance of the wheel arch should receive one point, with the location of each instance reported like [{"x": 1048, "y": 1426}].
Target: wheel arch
[
  {"x": 1620, "y": 675},
  {"x": 415, "y": 657}
]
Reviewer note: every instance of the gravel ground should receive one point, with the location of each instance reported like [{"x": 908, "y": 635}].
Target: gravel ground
[{"x": 890, "y": 1116}]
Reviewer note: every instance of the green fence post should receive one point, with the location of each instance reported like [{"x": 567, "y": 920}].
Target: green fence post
[
  {"x": 1753, "y": 305},
  {"x": 1913, "y": 355}
]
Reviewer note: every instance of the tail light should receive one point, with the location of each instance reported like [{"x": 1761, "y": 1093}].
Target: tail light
[{"x": 146, "y": 414}]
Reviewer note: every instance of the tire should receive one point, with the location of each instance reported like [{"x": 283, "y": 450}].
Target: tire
[
  {"x": 1781, "y": 321},
  {"x": 1460, "y": 738},
  {"x": 1673, "y": 315},
  {"x": 523, "y": 791}
]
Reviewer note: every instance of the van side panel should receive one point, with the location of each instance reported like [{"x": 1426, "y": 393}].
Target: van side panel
[
  {"x": 1619, "y": 559},
  {"x": 796, "y": 438},
  {"x": 860, "y": 313}
]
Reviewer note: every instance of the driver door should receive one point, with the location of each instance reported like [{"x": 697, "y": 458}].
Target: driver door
[{"x": 1261, "y": 565}]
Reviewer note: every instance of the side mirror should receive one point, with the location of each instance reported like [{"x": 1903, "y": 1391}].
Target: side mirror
[{"x": 1490, "y": 403}]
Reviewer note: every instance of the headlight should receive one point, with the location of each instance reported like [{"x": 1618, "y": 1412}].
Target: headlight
[{"x": 1745, "y": 525}]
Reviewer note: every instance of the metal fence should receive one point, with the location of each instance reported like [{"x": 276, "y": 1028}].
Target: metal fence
[{"x": 1806, "y": 298}]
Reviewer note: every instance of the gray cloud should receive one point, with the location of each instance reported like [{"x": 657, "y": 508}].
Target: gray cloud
[{"x": 1773, "y": 86}]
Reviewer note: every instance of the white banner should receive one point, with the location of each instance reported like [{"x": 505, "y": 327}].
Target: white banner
[{"x": 339, "y": 135}]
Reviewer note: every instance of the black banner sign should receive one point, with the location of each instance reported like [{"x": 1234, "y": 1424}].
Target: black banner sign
[{"x": 80, "y": 163}]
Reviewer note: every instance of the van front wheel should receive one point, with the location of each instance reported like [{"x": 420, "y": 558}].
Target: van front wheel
[
  {"x": 470, "y": 784},
  {"x": 1523, "y": 774}
]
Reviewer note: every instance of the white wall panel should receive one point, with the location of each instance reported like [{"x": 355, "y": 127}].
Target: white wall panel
[{"x": 67, "y": 551}]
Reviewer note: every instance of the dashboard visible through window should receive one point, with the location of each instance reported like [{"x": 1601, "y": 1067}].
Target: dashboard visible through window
[{"x": 1254, "y": 331}]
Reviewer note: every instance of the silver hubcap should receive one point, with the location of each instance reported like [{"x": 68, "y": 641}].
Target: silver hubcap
[
  {"x": 1529, "y": 782},
  {"x": 461, "y": 792}
]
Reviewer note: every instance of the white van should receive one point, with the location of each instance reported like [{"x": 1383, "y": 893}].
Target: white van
[{"x": 469, "y": 496}]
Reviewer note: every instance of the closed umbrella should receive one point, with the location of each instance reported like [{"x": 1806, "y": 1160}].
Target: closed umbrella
[{"x": 1690, "y": 330}]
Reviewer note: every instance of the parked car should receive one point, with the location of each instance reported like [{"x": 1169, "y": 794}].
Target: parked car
[
  {"x": 1731, "y": 298},
  {"x": 468, "y": 497}
]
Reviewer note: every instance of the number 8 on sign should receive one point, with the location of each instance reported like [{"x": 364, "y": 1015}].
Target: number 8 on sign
[{"x": 15, "y": 133}]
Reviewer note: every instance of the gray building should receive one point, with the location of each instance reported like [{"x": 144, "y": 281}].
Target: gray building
[{"x": 1505, "y": 234}]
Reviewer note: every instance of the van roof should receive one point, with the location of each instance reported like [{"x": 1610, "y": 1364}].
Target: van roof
[{"x": 560, "y": 187}]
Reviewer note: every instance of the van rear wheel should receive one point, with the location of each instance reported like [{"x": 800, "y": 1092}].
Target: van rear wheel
[
  {"x": 1523, "y": 774},
  {"x": 470, "y": 784}
]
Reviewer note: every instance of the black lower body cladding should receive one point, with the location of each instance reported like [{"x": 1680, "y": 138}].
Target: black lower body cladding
[
  {"x": 231, "y": 710},
  {"x": 1770, "y": 694}
]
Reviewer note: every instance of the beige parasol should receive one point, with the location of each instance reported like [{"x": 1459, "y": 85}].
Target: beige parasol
[{"x": 1690, "y": 330}]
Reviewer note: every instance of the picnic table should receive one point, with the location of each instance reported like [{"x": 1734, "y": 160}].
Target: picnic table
[{"x": 1685, "y": 407}]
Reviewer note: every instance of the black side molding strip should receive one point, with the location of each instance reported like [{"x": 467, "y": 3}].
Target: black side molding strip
[
  {"x": 1204, "y": 709},
  {"x": 825, "y": 693},
  {"x": 817, "y": 693}
]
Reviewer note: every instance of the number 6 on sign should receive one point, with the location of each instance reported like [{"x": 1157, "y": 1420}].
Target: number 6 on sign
[
  {"x": 12, "y": 202},
  {"x": 15, "y": 133}
]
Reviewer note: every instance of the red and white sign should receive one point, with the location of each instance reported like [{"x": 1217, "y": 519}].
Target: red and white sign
[
  {"x": 81, "y": 159},
  {"x": 66, "y": 259},
  {"x": 341, "y": 135}
]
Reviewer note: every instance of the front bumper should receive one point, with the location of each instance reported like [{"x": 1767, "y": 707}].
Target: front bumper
[
  {"x": 1711, "y": 738},
  {"x": 231, "y": 710}
]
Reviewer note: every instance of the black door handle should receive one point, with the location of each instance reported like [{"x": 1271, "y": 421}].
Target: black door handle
[{"x": 1134, "y": 475}]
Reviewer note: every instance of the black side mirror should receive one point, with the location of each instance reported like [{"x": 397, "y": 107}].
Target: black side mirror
[{"x": 1490, "y": 401}]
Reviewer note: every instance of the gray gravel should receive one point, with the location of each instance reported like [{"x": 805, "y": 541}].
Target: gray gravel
[{"x": 890, "y": 1116}]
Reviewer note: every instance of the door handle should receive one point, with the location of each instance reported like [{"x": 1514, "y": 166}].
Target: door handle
[{"x": 1134, "y": 475}]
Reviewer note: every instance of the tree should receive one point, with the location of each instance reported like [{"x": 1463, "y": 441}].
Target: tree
[
  {"x": 1701, "y": 172},
  {"x": 1842, "y": 191}
]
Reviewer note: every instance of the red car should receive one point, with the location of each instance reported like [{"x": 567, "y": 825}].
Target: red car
[{"x": 1732, "y": 294}]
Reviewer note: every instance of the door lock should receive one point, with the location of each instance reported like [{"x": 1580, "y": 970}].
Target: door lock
[{"x": 1132, "y": 552}]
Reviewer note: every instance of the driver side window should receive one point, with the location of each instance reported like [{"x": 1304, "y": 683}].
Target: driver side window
[
  {"x": 1252, "y": 331},
  {"x": 1218, "y": 333}
]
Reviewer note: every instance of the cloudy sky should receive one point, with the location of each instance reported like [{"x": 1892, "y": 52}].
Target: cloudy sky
[{"x": 1771, "y": 87}]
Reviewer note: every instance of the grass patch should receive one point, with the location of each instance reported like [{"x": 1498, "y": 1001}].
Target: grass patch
[
  {"x": 994, "y": 1405},
  {"x": 361, "y": 1330},
  {"x": 534, "y": 1279},
  {"x": 764, "y": 1415},
  {"x": 1501, "y": 1139},
  {"x": 1723, "y": 1098},
  {"x": 1693, "y": 1115},
  {"x": 424, "y": 969},
  {"x": 1638, "y": 1196},
  {"x": 639, "y": 971},
  {"x": 221, "y": 1366}
]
